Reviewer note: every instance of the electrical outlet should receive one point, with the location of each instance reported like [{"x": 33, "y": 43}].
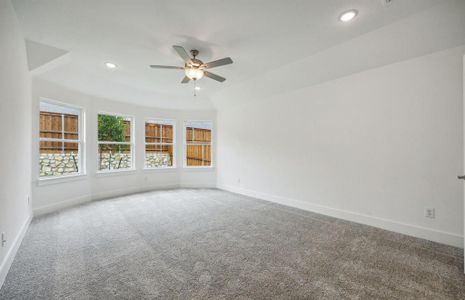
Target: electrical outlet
[
  {"x": 3, "y": 241},
  {"x": 430, "y": 213}
]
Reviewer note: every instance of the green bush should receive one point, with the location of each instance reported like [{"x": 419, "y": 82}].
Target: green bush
[{"x": 111, "y": 128}]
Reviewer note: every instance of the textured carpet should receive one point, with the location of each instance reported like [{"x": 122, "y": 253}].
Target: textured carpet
[{"x": 210, "y": 244}]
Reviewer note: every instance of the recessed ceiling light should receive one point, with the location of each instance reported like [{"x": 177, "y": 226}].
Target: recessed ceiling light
[
  {"x": 197, "y": 88},
  {"x": 348, "y": 15},
  {"x": 110, "y": 65}
]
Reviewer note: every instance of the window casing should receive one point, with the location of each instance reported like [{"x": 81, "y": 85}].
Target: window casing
[
  {"x": 198, "y": 144},
  {"x": 61, "y": 140},
  {"x": 160, "y": 144},
  {"x": 115, "y": 143}
]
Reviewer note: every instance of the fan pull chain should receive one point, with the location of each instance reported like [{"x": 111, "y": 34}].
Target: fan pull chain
[{"x": 195, "y": 90}]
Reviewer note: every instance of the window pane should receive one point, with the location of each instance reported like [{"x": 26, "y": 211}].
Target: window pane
[
  {"x": 198, "y": 155},
  {"x": 201, "y": 135},
  {"x": 55, "y": 118},
  {"x": 198, "y": 132},
  {"x": 159, "y": 132},
  {"x": 152, "y": 133},
  {"x": 114, "y": 128},
  {"x": 114, "y": 157},
  {"x": 71, "y": 124},
  {"x": 189, "y": 134},
  {"x": 127, "y": 130},
  {"x": 50, "y": 125},
  {"x": 207, "y": 155},
  {"x": 58, "y": 159},
  {"x": 159, "y": 156},
  {"x": 167, "y": 133}
]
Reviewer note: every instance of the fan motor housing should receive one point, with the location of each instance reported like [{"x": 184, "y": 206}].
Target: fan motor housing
[{"x": 196, "y": 63}]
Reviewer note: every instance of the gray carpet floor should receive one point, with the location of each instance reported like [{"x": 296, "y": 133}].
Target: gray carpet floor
[{"x": 210, "y": 244}]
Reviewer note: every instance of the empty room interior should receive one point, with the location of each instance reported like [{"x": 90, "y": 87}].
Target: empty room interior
[{"x": 217, "y": 149}]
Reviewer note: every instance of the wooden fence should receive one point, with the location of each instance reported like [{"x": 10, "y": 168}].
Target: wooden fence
[
  {"x": 198, "y": 155},
  {"x": 56, "y": 125},
  {"x": 158, "y": 133},
  {"x": 198, "y": 149}
]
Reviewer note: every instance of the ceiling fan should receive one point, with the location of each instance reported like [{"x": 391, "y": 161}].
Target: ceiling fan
[{"x": 194, "y": 68}]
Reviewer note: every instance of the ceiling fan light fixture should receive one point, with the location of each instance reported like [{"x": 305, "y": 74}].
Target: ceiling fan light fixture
[
  {"x": 194, "y": 68},
  {"x": 194, "y": 73}
]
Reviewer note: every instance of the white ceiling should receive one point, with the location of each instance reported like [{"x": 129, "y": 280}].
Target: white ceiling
[
  {"x": 439, "y": 28},
  {"x": 260, "y": 36}
]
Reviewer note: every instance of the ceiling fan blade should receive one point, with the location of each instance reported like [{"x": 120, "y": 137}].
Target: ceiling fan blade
[
  {"x": 214, "y": 76},
  {"x": 183, "y": 53},
  {"x": 185, "y": 79},
  {"x": 219, "y": 62},
  {"x": 166, "y": 67}
]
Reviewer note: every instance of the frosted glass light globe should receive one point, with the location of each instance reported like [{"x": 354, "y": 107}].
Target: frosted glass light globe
[{"x": 194, "y": 74}]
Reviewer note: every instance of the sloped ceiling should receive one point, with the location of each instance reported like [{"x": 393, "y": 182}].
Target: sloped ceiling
[
  {"x": 435, "y": 29},
  {"x": 263, "y": 37},
  {"x": 42, "y": 58}
]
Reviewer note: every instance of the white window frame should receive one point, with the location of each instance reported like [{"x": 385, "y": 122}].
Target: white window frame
[
  {"x": 80, "y": 141},
  {"x": 185, "y": 145},
  {"x": 168, "y": 122},
  {"x": 131, "y": 143}
]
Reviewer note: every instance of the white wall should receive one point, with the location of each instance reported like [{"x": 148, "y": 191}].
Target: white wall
[
  {"x": 15, "y": 131},
  {"x": 376, "y": 147},
  {"x": 49, "y": 196}
]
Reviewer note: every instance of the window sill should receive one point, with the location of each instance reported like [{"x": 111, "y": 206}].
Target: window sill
[
  {"x": 199, "y": 168},
  {"x": 115, "y": 172},
  {"x": 161, "y": 169},
  {"x": 63, "y": 179}
]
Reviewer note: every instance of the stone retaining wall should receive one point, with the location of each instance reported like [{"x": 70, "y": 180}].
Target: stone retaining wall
[
  {"x": 156, "y": 160},
  {"x": 58, "y": 164},
  {"x": 61, "y": 164},
  {"x": 114, "y": 161}
]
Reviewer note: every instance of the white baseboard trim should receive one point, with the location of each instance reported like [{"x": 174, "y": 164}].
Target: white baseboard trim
[
  {"x": 442, "y": 237},
  {"x": 10, "y": 255},
  {"x": 45, "y": 209},
  {"x": 197, "y": 186},
  {"x": 113, "y": 193},
  {"x": 133, "y": 190}
]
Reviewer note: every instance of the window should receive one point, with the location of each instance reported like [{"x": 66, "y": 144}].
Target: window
[
  {"x": 159, "y": 144},
  {"x": 61, "y": 143},
  {"x": 115, "y": 142},
  {"x": 198, "y": 141}
]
